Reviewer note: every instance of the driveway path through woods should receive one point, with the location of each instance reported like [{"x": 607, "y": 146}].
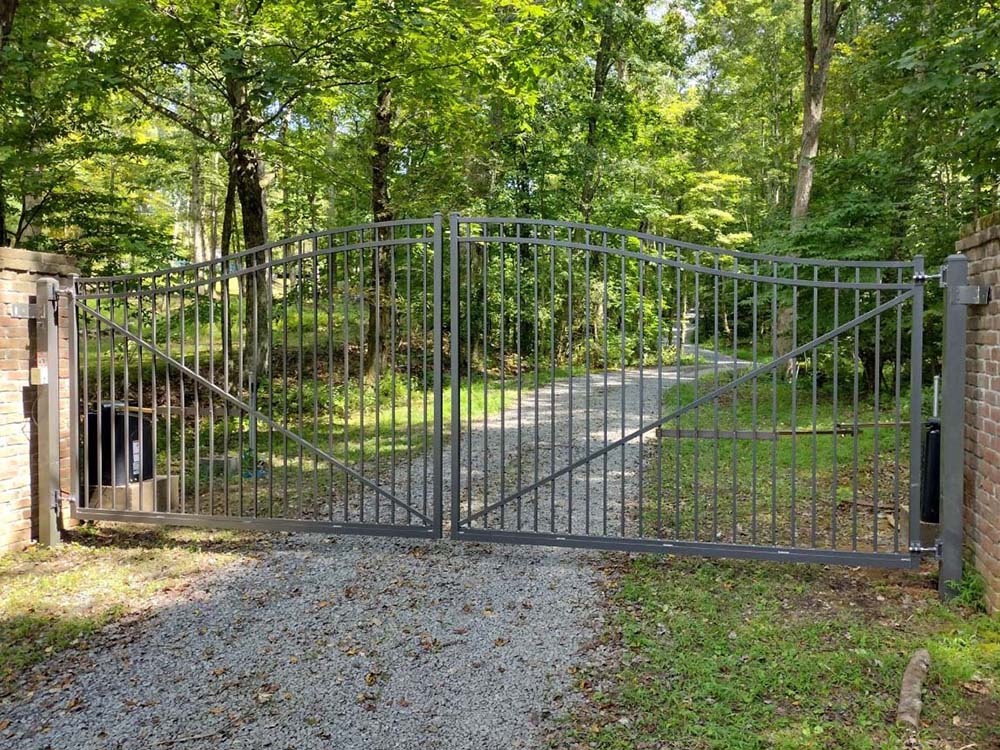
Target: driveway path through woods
[{"x": 347, "y": 643}]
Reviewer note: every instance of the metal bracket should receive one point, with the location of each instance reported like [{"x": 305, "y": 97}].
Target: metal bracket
[
  {"x": 974, "y": 295},
  {"x": 936, "y": 550},
  {"x": 23, "y": 310}
]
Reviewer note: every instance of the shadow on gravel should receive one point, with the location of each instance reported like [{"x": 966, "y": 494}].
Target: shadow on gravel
[
  {"x": 124, "y": 536},
  {"x": 321, "y": 642}
]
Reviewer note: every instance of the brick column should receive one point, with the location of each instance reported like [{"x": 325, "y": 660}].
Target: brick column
[
  {"x": 981, "y": 244},
  {"x": 19, "y": 272}
]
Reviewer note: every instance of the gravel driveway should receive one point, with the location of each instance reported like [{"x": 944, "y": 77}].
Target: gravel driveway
[{"x": 345, "y": 643}]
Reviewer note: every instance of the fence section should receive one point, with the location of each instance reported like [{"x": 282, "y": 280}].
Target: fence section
[
  {"x": 627, "y": 391},
  {"x": 297, "y": 385}
]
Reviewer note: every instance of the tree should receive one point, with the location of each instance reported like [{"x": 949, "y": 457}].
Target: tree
[
  {"x": 7, "y": 10},
  {"x": 817, "y": 68}
]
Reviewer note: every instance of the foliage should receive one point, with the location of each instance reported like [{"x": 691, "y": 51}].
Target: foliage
[{"x": 120, "y": 120}]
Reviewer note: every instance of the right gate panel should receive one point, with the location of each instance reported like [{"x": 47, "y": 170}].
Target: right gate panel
[{"x": 625, "y": 391}]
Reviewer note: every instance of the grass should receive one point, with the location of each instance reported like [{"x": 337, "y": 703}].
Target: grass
[
  {"x": 741, "y": 655},
  {"x": 54, "y": 599},
  {"x": 802, "y": 489},
  {"x": 753, "y": 655}
]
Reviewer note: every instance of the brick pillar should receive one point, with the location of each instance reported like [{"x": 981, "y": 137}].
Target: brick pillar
[
  {"x": 19, "y": 272},
  {"x": 981, "y": 244}
]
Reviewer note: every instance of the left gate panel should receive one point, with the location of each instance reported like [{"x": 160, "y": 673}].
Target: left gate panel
[{"x": 291, "y": 386}]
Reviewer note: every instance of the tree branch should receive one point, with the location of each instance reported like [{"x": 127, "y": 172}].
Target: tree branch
[{"x": 188, "y": 125}]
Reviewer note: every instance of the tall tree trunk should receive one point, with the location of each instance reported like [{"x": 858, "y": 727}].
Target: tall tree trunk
[
  {"x": 7, "y": 10},
  {"x": 213, "y": 199},
  {"x": 817, "y": 68},
  {"x": 196, "y": 207},
  {"x": 228, "y": 210},
  {"x": 246, "y": 171},
  {"x": 228, "y": 215},
  {"x": 602, "y": 68},
  {"x": 379, "y": 307}
]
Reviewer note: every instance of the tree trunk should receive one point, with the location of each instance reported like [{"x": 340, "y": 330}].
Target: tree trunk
[
  {"x": 213, "y": 199},
  {"x": 228, "y": 214},
  {"x": 602, "y": 68},
  {"x": 196, "y": 211},
  {"x": 379, "y": 294},
  {"x": 817, "y": 67},
  {"x": 246, "y": 173},
  {"x": 7, "y": 10}
]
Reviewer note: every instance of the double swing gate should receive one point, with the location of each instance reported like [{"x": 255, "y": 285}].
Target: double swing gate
[{"x": 511, "y": 380}]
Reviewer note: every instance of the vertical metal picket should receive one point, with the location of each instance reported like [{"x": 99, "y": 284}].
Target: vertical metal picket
[
  {"x": 454, "y": 350},
  {"x": 438, "y": 489}
]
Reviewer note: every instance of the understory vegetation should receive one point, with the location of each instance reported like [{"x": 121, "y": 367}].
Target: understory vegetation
[{"x": 782, "y": 463}]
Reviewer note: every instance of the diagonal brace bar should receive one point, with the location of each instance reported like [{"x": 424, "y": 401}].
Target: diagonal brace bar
[
  {"x": 710, "y": 396},
  {"x": 260, "y": 416}
]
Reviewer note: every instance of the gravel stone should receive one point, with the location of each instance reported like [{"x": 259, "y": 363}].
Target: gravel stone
[{"x": 352, "y": 642}]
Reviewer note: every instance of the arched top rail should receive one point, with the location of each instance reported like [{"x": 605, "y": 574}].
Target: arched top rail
[
  {"x": 646, "y": 237},
  {"x": 491, "y": 229},
  {"x": 427, "y": 224}
]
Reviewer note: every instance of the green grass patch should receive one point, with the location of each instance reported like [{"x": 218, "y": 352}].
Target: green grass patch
[
  {"x": 811, "y": 479},
  {"x": 757, "y": 655},
  {"x": 54, "y": 599}
]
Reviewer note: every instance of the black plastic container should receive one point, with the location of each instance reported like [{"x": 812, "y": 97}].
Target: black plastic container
[
  {"x": 930, "y": 473},
  {"x": 128, "y": 459}
]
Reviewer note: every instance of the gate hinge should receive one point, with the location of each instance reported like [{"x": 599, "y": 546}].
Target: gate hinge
[
  {"x": 921, "y": 278},
  {"x": 61, "y": 496},
  {"x": 936, "y": 550}
]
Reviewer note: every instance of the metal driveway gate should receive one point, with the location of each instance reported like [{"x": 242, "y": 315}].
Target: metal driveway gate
[
  {"x": 604, "y": 389},
  {"x": 649, "y": 394},
  {"x": 292, "y": 386}
]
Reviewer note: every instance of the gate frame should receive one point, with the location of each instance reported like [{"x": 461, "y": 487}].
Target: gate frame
[
  {"x": 909, "y": 558},
  {"x": 948, "y": 548},
  {"x": 431, "y": 528}
]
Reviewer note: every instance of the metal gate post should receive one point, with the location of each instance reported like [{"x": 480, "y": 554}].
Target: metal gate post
[
  {"x": 73, "y": 343},
  {"x": 953, "y": 425},
  {"x": 47, "y": 381}
]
